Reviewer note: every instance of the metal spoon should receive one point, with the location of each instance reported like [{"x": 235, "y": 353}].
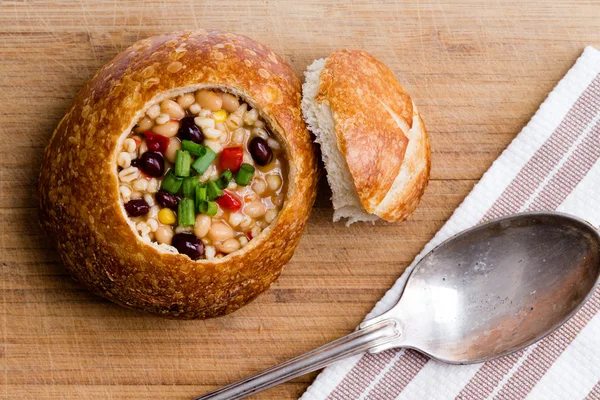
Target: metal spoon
[{"x": 482, "y": 294}]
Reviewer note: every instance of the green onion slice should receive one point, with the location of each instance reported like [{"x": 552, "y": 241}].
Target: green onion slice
[
  {"x": 201, "y": 196},
  {"x": 193, "y": 148},
  {"x": 209, "y": 208},
  {"x": 224, "y": 179},
  {"x": 244, "y": 175},
  {"x": 182, "y": 163},
  {"x": 171, "y": 183},
  {"x": 205, "y": 158},
  {"x": 189, "y": 186},
  {"x": 213, "y": 190},
  {"x": 185, "y": 212}
]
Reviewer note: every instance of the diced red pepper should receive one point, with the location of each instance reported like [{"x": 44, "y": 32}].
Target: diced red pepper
[
  {"x": 156, "y": 142},
  {"x": 137, "y": 140},
  {"x": 231, "y": 158},
  {"x": 229, "y": 201}
]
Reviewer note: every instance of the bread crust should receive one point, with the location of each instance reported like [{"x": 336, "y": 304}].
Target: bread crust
[
  {"x": 78, "y": 188},
  {"x": 406, "y": 193},
  {"x": 360, "y": 89}
]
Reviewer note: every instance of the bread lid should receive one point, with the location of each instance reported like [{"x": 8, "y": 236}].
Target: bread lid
[{"x": 373, "y": 122}]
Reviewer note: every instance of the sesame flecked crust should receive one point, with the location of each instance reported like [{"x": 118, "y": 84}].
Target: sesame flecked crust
[{"x": 78, "y": 189}]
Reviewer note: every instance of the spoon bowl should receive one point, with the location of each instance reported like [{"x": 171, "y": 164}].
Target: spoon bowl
[
  {"x": 498, "y": 287},
  {"x": 482, "y": 294}
]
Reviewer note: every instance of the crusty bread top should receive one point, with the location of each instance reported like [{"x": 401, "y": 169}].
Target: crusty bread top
[{"x": 361, "y": 92}]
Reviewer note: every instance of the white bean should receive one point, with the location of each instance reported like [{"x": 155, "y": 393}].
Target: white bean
[
  {"x": 186, "y": 100},
  {"x": 173, "y": 109},
  {"x": 209, "y": 100},
  {"x": 202, "y": 226},
  {"x": 228, "y": 246},
  {"x": 230, "y": 102},
  {"x": 171, "y": 153},
  {"x": 274, "y": 182},
  {"x": 255, "y": 209},
  {"x": 220, "y": 232},
  {"x": 168, "y": 129},
  {"x": 164, "y": 234}
]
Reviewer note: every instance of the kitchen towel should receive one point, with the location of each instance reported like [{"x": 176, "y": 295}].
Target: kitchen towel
[{"x": 553, "y": 164}]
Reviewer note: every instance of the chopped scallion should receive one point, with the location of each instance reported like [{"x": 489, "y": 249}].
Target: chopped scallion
[
  {"x": 189, "y": 185},
  {"x": 182, "y": 163},
  {"x": 244, "y": 175},
  {"x": 171, "y": 183},
  {"x": 204, "y": 159},
  {"x": 224, "y": 179},
  {"x": 185, "y": 212},
  {"x": 213, "y": 190},
  {"x": 209, "y": 208},
  {"x": 201, "y": 196},
  {"x": 193, "y": 148}
]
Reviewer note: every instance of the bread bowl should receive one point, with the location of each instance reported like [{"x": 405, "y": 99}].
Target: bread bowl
[
  {"x": 86, "y": 212},
  {"x": 372, "y": 137}
]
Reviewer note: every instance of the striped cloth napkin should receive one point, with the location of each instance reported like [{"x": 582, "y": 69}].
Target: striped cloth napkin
[{"x": 553, "y": 164}]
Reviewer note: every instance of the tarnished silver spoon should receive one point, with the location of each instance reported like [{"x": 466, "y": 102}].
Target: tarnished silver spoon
[{"x": 482, "y": 294}]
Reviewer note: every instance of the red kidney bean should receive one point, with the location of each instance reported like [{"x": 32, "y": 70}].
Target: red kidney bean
[
  {"x": 137, "y": 207},
  {"x": 167, "y": 200},
  {"x": 188, "y": 244},
  {"x": 152, "y": 163},
  {"x": 260, "y": 151},
  {"x": 189, "y": 131}
]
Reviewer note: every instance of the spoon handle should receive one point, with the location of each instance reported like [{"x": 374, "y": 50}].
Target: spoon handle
[{"x": 355, "y": 343}]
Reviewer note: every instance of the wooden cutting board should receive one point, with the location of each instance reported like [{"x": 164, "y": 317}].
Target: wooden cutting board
[{"x": 478, "y": 71}]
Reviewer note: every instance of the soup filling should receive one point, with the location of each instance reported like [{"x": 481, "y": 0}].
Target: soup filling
[{"x": 201, "y": 174}]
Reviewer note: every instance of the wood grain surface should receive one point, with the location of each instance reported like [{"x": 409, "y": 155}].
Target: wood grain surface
[{"x": 477, "y": 69}]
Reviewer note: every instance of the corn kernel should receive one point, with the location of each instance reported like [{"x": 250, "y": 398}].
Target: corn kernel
[
  {"x": 220, "y": 116},
  {"x": 166, "y": 216}
]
